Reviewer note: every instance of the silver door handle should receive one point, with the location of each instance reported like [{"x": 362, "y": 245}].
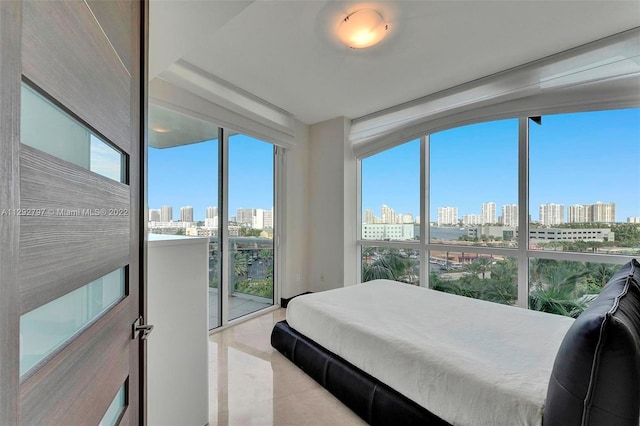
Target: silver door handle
[{"x": 141, "y": 330}]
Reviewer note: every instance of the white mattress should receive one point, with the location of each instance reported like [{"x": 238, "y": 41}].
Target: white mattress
[{"x": 468, "y": 361}]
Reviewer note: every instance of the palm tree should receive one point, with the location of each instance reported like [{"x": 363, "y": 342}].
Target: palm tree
[
  {"x": 241, "y": 264},
  {"x": 389, "y": 265},
  {"x": 505, "y": 270},
  {"x": 266, "y": 255},
  {"x": 410, "y": 270},
  {"x": 599, "y": 274},
  {"x": 555, "y": 290},
  {"x": 376, "y": 271},
  {"x": 479, "y": 266}
]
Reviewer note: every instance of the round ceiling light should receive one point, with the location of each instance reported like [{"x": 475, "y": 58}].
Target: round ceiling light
[{"x": 362, "y": 28}]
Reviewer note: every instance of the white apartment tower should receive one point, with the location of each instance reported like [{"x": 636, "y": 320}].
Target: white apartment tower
[
  {"x": 211, "y": 219},
  {"x": 489, "y": 214},
  {"x": 388, "y": 214},
  {"x": 368, "y": 216},
  {"x": 510, "y": 215},
  {"x": 257, "y": 221},
  {"x": 447, "y": 216},
  {"x": 577, "y": 213},
  {"x": 166, "y": 214},
  {"x": 601, "y": 212},
  {"x": 268, "y": 219},
  {"x": 186, "y": 214},
  {"x": 551, "y": 214},
  {"x": 212, "y": 212},
  {"x": 154, "y": 215},
  {"x": 472, "y": 219},
  {"x": 245, "y": 216}
]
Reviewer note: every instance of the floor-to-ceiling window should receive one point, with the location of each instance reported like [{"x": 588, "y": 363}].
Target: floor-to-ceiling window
[
  {"x": 208, "y": 182},
  {"x": 250, "y": 225},
  {"x": 391, "y": 214},
  {"x": 537, "y": 212}
]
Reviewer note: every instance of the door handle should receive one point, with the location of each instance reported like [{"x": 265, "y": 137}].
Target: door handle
[{"x": 140, "y": 329}]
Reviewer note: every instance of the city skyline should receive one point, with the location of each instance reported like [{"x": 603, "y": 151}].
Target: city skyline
[
  {"x": 574, "y": 159},
  {"x": 187, "y": 175},
  {"x": 187, "y": 214},
  {"x": 549, "y": 214}
]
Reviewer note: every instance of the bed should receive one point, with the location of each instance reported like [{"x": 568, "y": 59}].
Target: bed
[{"x": 398, "y": 354}]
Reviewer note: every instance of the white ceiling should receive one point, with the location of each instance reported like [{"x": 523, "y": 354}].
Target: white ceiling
[{"x": 286, "y": 53}]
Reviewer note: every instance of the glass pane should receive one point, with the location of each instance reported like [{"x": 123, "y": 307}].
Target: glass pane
[
  {"x": 481, "y": 276},
  {"x": 584, "y": 179},
  {"x": 46, "y": 328},
  {"x": 391, "y": 194},
  {"x": 183, "y": 187},
  {"x": 397, "y": 264},
  {"x": 474, "y": 185},
  {"x": 251, "y": 222},
  {"x": 110, "y": 418},
  {"x": 46, "y": 127},
  {"x": 564, "y": 287}
]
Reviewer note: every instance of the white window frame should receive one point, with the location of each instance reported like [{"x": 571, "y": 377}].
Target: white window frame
[{"x": 522, "y": 253}]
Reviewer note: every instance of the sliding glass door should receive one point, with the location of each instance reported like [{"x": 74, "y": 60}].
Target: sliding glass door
[
  {"x": 250, "y": 225},
  {"x": 206, "y": 182}
]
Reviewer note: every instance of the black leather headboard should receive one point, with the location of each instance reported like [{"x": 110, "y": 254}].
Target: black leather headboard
[{"x": 596, "y": 374}]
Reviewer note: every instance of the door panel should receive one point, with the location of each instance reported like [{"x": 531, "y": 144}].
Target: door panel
[
  {"x": 78, "y": 384},
  {"x": 10, "y": 34},
  {"x": 77, "y": 240},
  {"x": 66, "y": 53},
  {"x": 87, "y": 62},
  {"x": 115, "y": 19}
]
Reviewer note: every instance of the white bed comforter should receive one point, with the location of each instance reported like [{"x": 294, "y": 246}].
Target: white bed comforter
[{"x": 468, "y": 361}]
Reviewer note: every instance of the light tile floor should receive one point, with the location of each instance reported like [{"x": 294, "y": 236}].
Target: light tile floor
[{"x": 250, "y": 383}]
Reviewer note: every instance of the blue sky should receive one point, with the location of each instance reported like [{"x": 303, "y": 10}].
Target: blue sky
[
  {"x": 188, "y": 176},
  {"x": 574, "y": 159}
]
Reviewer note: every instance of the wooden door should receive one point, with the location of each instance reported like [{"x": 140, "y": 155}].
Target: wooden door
[{"x": 70, "y": 262}]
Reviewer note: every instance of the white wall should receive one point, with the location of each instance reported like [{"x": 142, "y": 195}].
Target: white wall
[
  {"x": 295, "y": 273},
  {"x": 332, "y": 201}
]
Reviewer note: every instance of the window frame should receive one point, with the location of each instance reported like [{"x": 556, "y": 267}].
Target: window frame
[{"x": 522, "y": 253}]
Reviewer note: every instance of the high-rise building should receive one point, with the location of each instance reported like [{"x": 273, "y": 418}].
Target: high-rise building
[
  {"x": 154, "y": 215},
  {"x": 551, "y": 214},
  {"x": 577, "y": 213},
  {"x": 245, "y": 216},
  {"x": 212, "y": 212},
  {"x": 368, "y": 216},
  {"x": 186, "y": 214},
  {"x": 633, "y": 219},
  {"x": 510, "y": 215},
  {"x": 268, "y": 219},
  {"x": 447, "y": 216},
  {"x": 407, "y": 218},
  {"x": 601, "y": 212},
  {"x": 211, "y": 219},
  {"x": 257, "y": 220},
  {"x": 166, "y": 214},
  {"x": 472, "y": 219},
  {"x": 388, "y": 214},
  {"x": 489, "y": 214}
]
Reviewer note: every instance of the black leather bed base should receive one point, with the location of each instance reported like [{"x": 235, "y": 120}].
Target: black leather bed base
[{"x": 372, "y": 400}]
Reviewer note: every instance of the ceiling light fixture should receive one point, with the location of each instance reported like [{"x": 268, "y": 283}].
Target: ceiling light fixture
[{"x": 362, "y": 28}]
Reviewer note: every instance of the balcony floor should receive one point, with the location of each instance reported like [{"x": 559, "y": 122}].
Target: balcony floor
[
  {"x": 250, "y": 383},
  {"x": 239, "y": 305}
]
